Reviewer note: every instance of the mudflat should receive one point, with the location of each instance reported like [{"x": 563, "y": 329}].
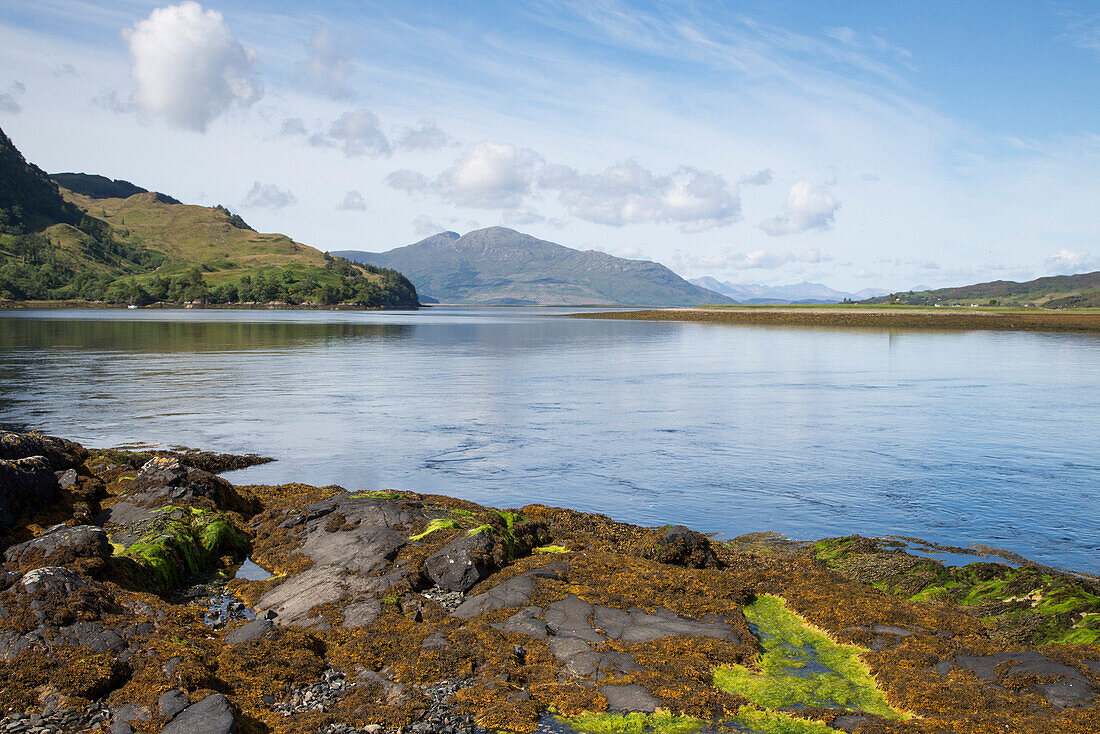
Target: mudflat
[{"x": 891, "y": 317}]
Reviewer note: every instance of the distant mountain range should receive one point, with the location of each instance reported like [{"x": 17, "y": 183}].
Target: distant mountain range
[
  {"x": 1058, "y": 291},
  {"x": 501, "y": 266},
  {"x": 805, "y": 292}
]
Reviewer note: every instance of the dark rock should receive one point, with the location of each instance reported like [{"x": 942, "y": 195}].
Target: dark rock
[
  {"x": 121, "y": 727},
  {"x": 172, "y": 702},
  {"x": 212, "y": 715},
  {"x": 59, "y": 453},
  {"x": 132, "y": 712},
  {"x": 248, "y": 631},
  {"x": 849, "y": 722},
  {"x": 681, "y": 546},
  {"x": 514, "y": 592},
  {"x": 463, "y": 562},
  {"x": 52, "y": 579},
  {"x": 59, "y": 546},
  {"x": 27, "y": 485},
  {"x": 169, "y": 667},
  {"x": 67, "y": 479},
  {"x": 629, "y": 698}
]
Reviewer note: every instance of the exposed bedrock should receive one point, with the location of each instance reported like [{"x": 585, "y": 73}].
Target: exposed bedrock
[{"x": 390, "y": 611}]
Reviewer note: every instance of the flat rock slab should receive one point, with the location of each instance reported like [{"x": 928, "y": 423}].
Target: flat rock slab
[
  {"x": 59, "y": 545},
  {"x": 628, "y": 699},
  {"x": 248, "y": 631},
  {"x": 1071, "y": 688}
]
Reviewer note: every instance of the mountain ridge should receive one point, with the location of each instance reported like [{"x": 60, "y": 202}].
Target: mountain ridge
[
  {"x": 501, "y": 266},
  {"x": 804, "y": 292},
  {"x": 1081, "y": 290}
]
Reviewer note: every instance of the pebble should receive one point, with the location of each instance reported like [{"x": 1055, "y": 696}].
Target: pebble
[{"x": 55, "y": 721}]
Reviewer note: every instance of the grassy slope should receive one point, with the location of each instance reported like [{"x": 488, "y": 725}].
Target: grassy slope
[
  {"x": 194, "y": 235},
  {"x": 1060, "y": 291}
]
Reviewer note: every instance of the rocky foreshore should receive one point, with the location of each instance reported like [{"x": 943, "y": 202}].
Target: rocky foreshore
[{"x": 124, "y": 608}]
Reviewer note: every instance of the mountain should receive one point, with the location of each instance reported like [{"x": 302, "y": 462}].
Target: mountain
[
  {"x": 101, "y": 187},
  {"x": 805, "y": 292},
  {"x": 502, "y": 266},
  {"x": 1058, "y": 291},
  {"x": 57, "y": 244}
]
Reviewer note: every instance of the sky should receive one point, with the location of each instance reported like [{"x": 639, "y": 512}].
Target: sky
[{"x": 859, "y": 144}]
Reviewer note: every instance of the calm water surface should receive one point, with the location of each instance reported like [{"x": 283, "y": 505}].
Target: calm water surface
[{"x": 977, "y": 437}]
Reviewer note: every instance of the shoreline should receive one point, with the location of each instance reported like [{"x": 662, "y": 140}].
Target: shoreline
[
  {"x": 178, "y": 601},
  {"x": 76, "y": 305},
  {"x": 887, "y": 317}
]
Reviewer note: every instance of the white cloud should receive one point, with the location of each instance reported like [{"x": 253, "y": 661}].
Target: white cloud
[
  {"x": 267, "y": 196},
  {"x": 65, "y": 69},
  {"x": 353, "y": 202},
  {"x": 753, "y": 260},
  {"x": 627, "y": 193},
  {"x": 808, "y": 207},
  {"x": 357, "y": 133},
  {"x": 1067, "y": 262},
  {"x": 489, "y": 176},
  {"x": 408, "y": 181},
  {"x": 111, "y": 101},
  {"x": 188, "y": 67},
  {"x": 329, "y": 65},
  {"x": 425, "y": 225},
  {"x": 9, "y": 101},
  {"x": 760, "y": 178},
  {"x": 425, "y": 135}
]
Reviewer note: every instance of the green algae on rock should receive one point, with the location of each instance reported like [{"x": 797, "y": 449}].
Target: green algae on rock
[
  {"x": 659, "y": 722},
  {"x": 179, "y": 544},
  {"x": 1027, "y": 604},
  {"x": 800, "y": 667},
  {"x": 434, "y": 525},
  {"x": 776, "y": 722}
]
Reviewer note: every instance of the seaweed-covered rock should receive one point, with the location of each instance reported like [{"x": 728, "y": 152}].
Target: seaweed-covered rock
[
  {"x": 27, "y": 485},
  {"x": 59, "y": 453},
  {"x": 56, "y": 579},
  {"x": 59, "y": 546},
  {"x": 681, "y": 546}
]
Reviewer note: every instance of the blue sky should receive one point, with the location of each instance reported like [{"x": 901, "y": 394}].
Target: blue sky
[{"x": 860, "y": 144}]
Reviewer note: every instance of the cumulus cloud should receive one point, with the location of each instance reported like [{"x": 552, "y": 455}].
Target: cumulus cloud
[
  {"x": 489, "y": 176},
  {"x": 627, "y": 193},
  {"x": 425, "y": 135},
  {"x": 353, "y": 202},
  {"x": 188, "y": 67},
  {"x": 425, "y": 225},
  {"x": 267, "y": 196},
  {"x": 760, "y": 178},
  {"x": 357, "y": 133},
  {"x": 9, "y": 100},
  {"x": 329, "y": 64},
  {"x": 408, "y": 181},
  {"x": 808, "y": 207},
  {"x": 1067, "y": 262}
]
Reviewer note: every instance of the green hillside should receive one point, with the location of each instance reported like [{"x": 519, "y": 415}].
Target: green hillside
[
  {"x": 56, "y": 244},
  {"x": 1059, "y": 291},
  {"x": 502, "y": 266}
]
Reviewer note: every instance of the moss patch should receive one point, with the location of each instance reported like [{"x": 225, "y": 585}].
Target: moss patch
[
  {"x": 433, "y": 526},
  {"x": 1023, "y": 605},
  {"x": 777, "y": 722},
  {"x": 178, "y": 544},
  {"x": 661, "y": 722},
  {"x": 800, "y": 667},
  {"x": 378, "y": 494},
  {"x": 551, "y": 549}
]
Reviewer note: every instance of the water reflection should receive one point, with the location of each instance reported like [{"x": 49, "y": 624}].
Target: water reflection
[{"x": 952, "y": 436}]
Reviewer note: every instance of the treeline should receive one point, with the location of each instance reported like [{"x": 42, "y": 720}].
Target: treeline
[{"x": 30, "y": 276}]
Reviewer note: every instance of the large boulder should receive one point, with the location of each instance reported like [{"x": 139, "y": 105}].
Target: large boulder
[
  {"x": 60, "y": 454},
  {"x": 59, "y": 546},
  {"x": 463, "y": 562},
  {"x": 212, "y": 715}
]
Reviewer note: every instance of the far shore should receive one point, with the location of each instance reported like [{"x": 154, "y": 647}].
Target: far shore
[
  {"x": 275, "y": 306},
  {"x": 901, "y": 317}
]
